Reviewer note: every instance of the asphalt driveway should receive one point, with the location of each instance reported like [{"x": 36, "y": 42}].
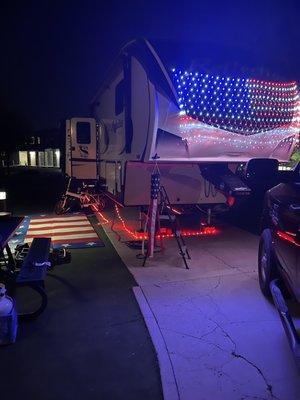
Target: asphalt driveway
[{"x": 90, "y": 343}]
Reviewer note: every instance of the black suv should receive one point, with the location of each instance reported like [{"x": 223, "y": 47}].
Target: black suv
[{"x": 279, "y": 249}]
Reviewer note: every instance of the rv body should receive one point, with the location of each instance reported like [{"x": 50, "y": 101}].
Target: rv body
[{"x": 137, "y": 123}]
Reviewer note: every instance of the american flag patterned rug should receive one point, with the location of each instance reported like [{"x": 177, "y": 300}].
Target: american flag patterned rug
[{"x": 69, "y": 231}]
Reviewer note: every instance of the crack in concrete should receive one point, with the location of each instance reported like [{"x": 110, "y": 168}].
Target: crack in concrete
[
  {"x": 196, "y": 278},
  {"x": 240, "y": 356},
  {"x": 234, "y": 351},
  {"x": 193, "y": 336},
  {"x": 269, "y": 387},
  {"x": 256, "y": 321},
  {"x": 201, "y": 338},
  {"x": 225, "y": 333},
  {"x": 234, "y": 354},
  {"x": 239, "y": 268},
  {"x": 217, "y": 285},
  {"x": 217, "y": 308}
]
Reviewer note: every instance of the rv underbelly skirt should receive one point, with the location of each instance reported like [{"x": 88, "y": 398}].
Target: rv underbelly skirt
[{"x": 182, "y": 181}]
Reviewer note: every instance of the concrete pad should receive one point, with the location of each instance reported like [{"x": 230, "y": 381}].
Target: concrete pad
[
  {"x": 168, "y": 379},
  {"x": 224, "y": 339}
]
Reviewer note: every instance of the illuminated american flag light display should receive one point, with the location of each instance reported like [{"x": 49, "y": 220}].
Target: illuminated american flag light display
[{"x": 239, "y": 105}]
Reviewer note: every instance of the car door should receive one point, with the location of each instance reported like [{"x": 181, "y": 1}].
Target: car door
[
  {"x": 287, "y": 234},
  {"x": 297, "y": 283}
]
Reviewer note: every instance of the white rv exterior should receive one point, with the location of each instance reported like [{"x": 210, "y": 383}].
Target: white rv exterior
[{"x": 135, "y": 118}]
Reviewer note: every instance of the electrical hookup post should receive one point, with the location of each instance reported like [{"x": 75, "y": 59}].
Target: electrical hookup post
[{"x": 160, "y": 203}]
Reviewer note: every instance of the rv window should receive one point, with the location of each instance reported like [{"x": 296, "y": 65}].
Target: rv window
[
  {"x": 83, "y": 133},
  {"x": 119, "y": 97}
]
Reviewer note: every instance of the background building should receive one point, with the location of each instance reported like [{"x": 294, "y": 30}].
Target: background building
[{"x": 41, "y": 150}]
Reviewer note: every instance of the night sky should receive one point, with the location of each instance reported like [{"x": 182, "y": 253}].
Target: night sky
[{"x": 55, "y": 54}]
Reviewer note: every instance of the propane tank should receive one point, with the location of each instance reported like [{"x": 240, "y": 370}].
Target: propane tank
[{"x": 8, "y": 318}]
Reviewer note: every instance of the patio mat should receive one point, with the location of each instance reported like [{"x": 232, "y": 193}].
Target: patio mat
[{"x": 73, "y": 231}]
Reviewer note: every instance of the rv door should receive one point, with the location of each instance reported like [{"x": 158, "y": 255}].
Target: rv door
[{"x": 82, "y": 143}]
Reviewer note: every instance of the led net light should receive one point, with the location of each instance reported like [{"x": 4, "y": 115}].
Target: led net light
[{"x": 243, "y": 106}]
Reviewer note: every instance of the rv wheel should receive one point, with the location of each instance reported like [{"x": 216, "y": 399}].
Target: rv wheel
[{"x": 267, "y": 268}]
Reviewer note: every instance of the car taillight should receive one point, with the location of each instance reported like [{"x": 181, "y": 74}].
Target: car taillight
[{"x": 230, "y": 201}]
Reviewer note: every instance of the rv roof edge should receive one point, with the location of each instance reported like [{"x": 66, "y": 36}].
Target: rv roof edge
[{"x": 130, "y": 49}]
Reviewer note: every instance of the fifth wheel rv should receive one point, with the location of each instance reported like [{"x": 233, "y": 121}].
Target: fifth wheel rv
[{"x": 199, "y": 129}]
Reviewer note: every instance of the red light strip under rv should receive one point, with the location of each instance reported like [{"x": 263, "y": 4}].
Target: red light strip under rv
[{"x": 164, "y": 233}]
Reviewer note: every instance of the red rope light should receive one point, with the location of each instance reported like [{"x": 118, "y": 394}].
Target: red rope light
[
  {"x": 164, "y": 232},
  {"x": 132, "y": 233},
  {"x": 95, "y": 209},
  {"x": 91, "y": 201},
  {"x": 206, "y": 231}
]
